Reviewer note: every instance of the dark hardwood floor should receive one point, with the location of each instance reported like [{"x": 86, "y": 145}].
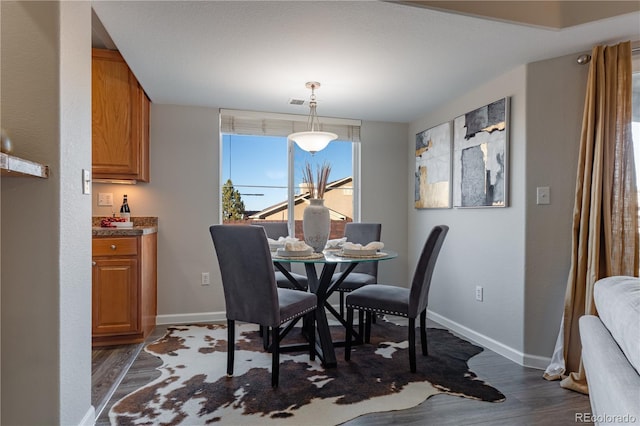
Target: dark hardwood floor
[
  {"x": 113, "y": 374},
  {"x": 108, "y": 367},
  {"x": 531, "y": 400}
]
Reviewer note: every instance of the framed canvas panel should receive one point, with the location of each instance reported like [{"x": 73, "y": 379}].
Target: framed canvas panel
[
  {"x": 433, "y": 168},
  {"x": 481, "y": 156}
]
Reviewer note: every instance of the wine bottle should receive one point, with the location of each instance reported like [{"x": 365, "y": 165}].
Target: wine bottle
[{"x": 124, "y": 209}]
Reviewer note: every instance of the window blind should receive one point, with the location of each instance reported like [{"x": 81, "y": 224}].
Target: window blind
[{"x": 272, "y": 124}]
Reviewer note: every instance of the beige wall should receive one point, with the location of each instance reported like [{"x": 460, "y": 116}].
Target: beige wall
[
  {"x": 46, "y": 239},
  {"x": 519, "y": 254},
  {"x": 555, "y": 101},
  {"x": 484, "y": 246},
  {"x": 383, "y": 176},
  {"x": 184, "y": 195}
]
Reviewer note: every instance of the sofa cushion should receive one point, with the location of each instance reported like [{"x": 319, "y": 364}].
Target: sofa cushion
[
  {"x": 617, "y": 300},
  {"x": 614, "y": 386}
]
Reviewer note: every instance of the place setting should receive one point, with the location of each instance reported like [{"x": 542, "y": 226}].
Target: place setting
[
  {"x": 354, "y": 250},
  {"x": 288, "y": 247},
  {"x": 291, "y": 247}
]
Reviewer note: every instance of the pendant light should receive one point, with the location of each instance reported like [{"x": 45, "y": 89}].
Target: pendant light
[{"x": 313, "y": 140}]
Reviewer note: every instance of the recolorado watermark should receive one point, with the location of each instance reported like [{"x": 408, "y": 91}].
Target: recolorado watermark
[{"x": 605, "y": 418}]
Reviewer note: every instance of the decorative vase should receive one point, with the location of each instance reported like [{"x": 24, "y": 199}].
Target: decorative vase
[{"x": 316, "y": 224}]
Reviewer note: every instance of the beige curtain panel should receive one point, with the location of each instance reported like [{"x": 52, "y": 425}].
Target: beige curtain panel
[{"x": 605, "y": 214}]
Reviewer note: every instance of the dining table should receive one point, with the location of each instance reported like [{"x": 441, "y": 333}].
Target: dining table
[{"x": 323, "y": 286}]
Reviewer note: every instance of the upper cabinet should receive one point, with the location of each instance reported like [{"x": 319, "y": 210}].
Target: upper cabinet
[{"x": 120, "y": 120}]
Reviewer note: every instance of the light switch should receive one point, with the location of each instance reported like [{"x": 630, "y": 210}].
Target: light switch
[
  {"x": 86, "y": 181},
  {"x": 543, "y": 195}
]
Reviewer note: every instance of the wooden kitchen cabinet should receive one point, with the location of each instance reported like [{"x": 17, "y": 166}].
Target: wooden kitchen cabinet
[
  {"x": 124, "y": 289},
  {"x": 120, "y": 120}
]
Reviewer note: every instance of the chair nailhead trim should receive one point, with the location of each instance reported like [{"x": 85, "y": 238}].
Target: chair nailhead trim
[
  {"x": 282, "y": 321},
  {"x": 382, "y": 311}
]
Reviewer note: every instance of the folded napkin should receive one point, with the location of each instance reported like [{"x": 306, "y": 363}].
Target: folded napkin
[
  {"x": 281, "y": 240},
  {"x": 296, "y": 246},
  {"x": 374, "y": 245},
  {"x": 337, "y": 243}
]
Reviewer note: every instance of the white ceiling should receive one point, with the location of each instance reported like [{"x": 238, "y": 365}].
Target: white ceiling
[{"x": 378, "y": 61}]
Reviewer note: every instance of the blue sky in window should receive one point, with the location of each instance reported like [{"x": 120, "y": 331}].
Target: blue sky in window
[{"x": 257, "y": 166}]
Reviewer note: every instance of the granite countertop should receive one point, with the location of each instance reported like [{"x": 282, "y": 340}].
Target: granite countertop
[{"x": 141, "y": 226}]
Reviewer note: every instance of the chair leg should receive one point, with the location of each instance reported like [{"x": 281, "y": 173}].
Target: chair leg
[
  {"x": 341, "y": 303},
  {"x": 231, "y": 342},
  {"x": 423, "y": 332},
  {"x": 367, "y": 326},
  {"x": 275, "y": 356},
  {"x": 347, "y": 342},
  {"x": 311, "y": 332},
  {"x": 265, "y": 337},
  {"x": 412, "y": 344},
  {"x": 361, "y": 322}
]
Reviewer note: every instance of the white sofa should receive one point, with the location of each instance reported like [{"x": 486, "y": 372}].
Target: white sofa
[{"x": 611, "y": 351}]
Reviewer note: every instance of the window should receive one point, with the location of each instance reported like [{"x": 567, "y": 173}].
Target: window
[
  {"x": 256, "y": 167},
  {"x": 261, "y": 171}
]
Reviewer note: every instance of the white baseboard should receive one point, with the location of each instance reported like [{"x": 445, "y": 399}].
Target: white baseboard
[
  {"x": 191, "y": 318},
  {"x": 89, "y": 418},
  {"x": 526, "y": 360},
  {"x": 195, "y": 318},
  {"x": 536, "y": 361}
]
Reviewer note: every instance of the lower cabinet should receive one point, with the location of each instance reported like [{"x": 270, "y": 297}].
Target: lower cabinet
[{"x": 124, "y": 289}]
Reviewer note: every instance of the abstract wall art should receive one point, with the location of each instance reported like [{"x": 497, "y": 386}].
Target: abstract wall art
[
  {"x": 481, "y": 156},
  {"x": 433, "y": 168}
]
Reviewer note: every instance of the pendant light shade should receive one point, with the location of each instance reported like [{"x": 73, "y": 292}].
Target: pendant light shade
[{"x": 313, "y": 140}]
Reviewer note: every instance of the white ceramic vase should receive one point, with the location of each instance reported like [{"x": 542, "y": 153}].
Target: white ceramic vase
[{"x": 316, "y": 224}]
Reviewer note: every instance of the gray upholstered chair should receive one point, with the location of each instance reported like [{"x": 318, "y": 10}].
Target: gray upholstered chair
[
  {"x": 365, "y": 273},
  {"x": 250, "y": 290},
  {"x": 405, "y": 302},
  {"x": 275, "y": 230}
]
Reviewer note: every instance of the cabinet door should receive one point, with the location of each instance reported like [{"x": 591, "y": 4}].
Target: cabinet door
[
  {"x": 115, "y": 296},
  {"x": 118, "y": 129},
  {"x": 143, "y": 106}
]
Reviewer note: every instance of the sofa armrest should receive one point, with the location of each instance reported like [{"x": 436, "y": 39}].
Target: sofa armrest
[
  {"x": 614, "y": 385},
  {"x": 617, "y": 300}
]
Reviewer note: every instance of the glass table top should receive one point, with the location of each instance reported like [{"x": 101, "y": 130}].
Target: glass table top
[{"x": 335, "y": 256}]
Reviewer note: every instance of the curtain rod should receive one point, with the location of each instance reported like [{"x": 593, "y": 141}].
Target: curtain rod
[{"x": 586, "y": 58}]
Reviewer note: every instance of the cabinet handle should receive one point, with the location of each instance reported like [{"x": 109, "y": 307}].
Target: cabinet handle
[
  {"x": 93, "y": 263},
  {"x": 113, "y": 246}
]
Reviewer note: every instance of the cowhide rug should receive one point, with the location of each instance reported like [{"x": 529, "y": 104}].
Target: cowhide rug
[{"x": 193, "y": 388}]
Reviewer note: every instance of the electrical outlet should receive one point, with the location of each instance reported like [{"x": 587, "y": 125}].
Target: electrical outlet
[
  {"x": 105, "y": 198},
  {"x": 479, "y": 293},
  {"x": 543, "y": 195},
  {"x": 205, "y": 278}
]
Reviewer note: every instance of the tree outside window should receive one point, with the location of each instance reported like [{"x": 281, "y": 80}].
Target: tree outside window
[{"x": 232, "y": 204}]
